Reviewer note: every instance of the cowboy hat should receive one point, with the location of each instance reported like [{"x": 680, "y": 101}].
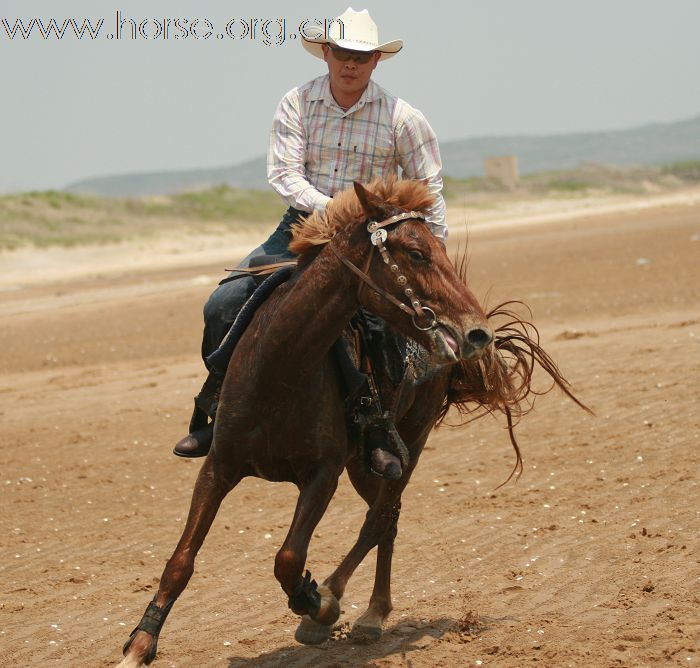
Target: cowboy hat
[{"x": 352, "y": 30}]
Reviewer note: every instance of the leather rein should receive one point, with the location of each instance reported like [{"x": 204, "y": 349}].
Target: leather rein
[{"x": 377, "y": 237}]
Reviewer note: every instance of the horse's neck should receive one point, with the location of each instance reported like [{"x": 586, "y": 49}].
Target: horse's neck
[{"x": 311, "y": 316}]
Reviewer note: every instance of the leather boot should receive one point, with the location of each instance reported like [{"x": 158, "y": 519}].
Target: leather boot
[
  {"x": 382, "y": 462},
  {"x": 198, "y": 441}
]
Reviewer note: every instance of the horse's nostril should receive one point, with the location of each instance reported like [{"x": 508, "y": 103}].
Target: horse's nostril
[{"x": 479, "y": 337}]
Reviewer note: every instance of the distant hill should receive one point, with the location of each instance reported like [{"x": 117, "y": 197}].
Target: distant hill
[
  {"x": 654, "y": 144},
  {"x": 251, "y": 174},
  {"x": 648, "y": 145}
]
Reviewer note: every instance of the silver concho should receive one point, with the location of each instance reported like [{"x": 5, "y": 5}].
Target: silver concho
[{"x": 378, "y": 237}]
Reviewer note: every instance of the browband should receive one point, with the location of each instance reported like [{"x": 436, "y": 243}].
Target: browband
[{"x": 374, "y": 225}]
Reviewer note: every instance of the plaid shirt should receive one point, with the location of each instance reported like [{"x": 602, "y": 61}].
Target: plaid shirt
[{"x": 317, "y": 149}]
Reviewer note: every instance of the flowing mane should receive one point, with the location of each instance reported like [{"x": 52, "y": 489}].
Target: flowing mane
[{"x": 345, "y": 209}]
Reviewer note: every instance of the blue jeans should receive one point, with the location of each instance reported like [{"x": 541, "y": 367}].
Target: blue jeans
[{"x": 228, "y": 299}]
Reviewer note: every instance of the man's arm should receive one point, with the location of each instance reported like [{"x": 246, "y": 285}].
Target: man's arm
[
  {"x": 286, "y": 158},
  {"x": 418, "y": 154}
]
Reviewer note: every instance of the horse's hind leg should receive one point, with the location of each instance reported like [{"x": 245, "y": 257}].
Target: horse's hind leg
[{"x": 209, "y": 491}]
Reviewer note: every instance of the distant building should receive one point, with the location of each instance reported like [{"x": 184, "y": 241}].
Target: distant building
[{"x": 503, "y": 169}]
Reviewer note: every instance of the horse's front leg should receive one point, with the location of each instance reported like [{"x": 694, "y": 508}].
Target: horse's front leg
[
  {"x": 210, "y": 489},
  {"x": 305, "y": 597},
  {"x": 368, "y": 627},
  {"x": 379, "y": 528},
  {"x": 418, "y": 421}
]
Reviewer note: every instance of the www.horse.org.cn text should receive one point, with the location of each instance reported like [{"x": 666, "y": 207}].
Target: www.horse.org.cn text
[{"x": 268, "y": 31}]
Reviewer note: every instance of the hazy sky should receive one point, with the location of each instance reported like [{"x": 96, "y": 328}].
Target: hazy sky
[{"x": 71, "y": 109}]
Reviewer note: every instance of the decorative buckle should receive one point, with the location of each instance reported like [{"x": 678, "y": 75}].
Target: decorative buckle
[{"x": 378, "y": 237}]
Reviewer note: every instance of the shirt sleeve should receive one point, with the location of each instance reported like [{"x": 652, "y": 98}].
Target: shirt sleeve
[
  {"x": 286, "y": 171},
  {"x": 418, "y": 155}
]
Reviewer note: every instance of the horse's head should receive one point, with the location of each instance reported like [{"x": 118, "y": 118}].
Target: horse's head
[{"x": 420, "y": 292}]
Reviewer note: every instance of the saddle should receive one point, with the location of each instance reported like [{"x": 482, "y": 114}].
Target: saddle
[
  {"x": 366, "y": 345},
  {"x": 260, "y": 267}
]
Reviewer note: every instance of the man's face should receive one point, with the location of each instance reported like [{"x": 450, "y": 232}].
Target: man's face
[{"x": 348, "y": 77}]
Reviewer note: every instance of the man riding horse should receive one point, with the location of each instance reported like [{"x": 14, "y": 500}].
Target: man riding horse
[{"x": 336, "y": 129}]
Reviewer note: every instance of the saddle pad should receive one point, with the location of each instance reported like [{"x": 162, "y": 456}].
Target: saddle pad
[{"x": 218, "y": 361}]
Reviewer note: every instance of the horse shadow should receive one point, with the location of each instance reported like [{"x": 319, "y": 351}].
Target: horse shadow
[{"x": 407, "y": 635}]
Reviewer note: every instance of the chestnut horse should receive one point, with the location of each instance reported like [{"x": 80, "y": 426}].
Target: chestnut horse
[{"x": 281, "y": 414}]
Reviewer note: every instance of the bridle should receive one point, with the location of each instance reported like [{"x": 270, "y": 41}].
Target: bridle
[{"x": 377, "y": 238}]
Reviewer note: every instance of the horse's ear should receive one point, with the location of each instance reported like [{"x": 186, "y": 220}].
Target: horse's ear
[{"x": 372, "y": 205}]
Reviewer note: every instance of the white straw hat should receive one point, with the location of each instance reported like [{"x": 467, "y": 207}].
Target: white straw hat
[{"x": 352, "y": 30}]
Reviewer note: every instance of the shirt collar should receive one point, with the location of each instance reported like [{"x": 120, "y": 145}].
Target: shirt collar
[{"x": 321, "y": 90}]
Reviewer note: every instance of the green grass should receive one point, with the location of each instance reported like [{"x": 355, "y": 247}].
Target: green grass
[
  {"x": 568, "y": 185},
  {"x": 688, "y": 170},
  {"x": 587, "y": 179},
  {"x": 456, "y": 188},
  {"x": 56, "y": 218},
  {"x": 223, "y": 203}
]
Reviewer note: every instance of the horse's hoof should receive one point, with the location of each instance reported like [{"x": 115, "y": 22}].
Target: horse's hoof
[
  {"x": 368, "y": 627},
  {"x": 365, "y": 634},
  {"x": 310, "y": 632},
  {"x": 139, "y": 650},
  {"x": 329, "y": 610}
]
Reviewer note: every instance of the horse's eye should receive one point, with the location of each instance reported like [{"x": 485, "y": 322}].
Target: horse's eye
[{"x": 416, "y": 255}]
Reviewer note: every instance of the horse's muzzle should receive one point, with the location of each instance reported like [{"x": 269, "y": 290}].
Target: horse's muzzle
[
  {"x": 452, "y": 347},
  {"x": 476, "y": 339}
]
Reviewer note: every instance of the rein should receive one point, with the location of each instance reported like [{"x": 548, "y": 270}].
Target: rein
[{"x": 378, "y": 236}]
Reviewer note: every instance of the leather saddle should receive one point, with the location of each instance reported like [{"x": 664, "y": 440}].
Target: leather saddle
[{"x": 260, "y": 267}]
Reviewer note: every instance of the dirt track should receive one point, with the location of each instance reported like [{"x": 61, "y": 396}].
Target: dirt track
[{"x": 591, "y": 559}]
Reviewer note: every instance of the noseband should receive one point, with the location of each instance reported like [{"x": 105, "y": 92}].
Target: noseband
[{"x": 377, "y": 238}]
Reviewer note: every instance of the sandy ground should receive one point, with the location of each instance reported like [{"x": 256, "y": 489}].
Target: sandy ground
[{"x": 591, "y": 559}]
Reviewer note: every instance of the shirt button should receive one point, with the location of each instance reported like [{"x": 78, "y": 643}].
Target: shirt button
[
  {"x": 338, "y": 143},
  {"x": 336, "y": 169}
]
